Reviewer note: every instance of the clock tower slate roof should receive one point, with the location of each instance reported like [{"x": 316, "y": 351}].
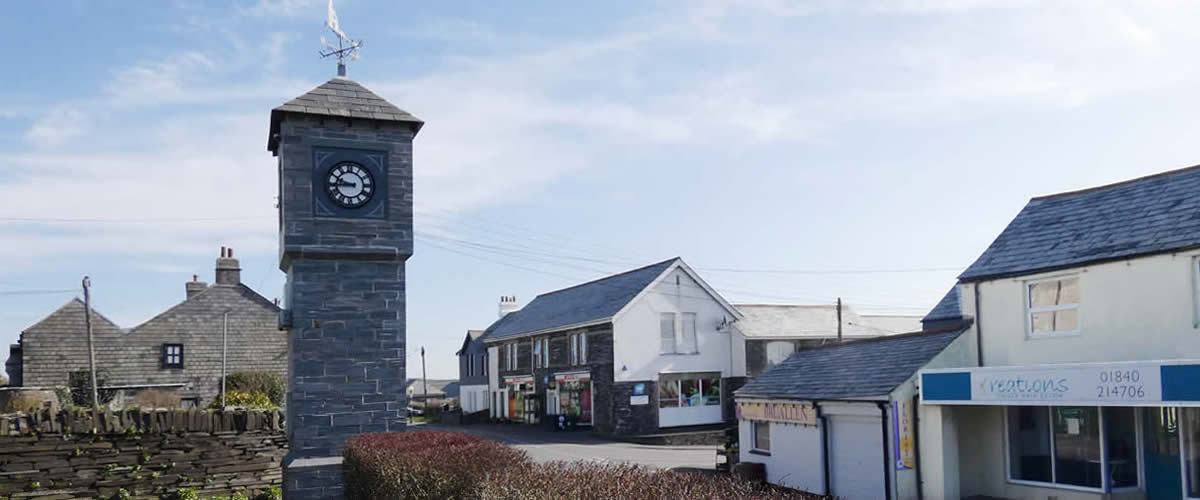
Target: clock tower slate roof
[{"x": 345, "y": 98}]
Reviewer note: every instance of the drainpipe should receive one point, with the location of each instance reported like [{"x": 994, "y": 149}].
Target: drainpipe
[
  {"x": 821, "y": 420},
  {"x": 916, "y": 432},
  {"x": 978, "y": 328},
  {"x": 887, "y": 463}
]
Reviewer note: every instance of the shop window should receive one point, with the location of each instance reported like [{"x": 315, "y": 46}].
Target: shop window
[
  {"x": 1077, "y": 446},
  {"x": 1120, "y": 431},
  {"x": 762, "y": 436},
  {"x": 1053, "y": 307},
  {"x": 689, "y": 390},
  {"x": 687, "y": 342},
  {"x": 712, "y": 391},
  {"x": 668, "y": 393},
  {"x": 1190, "y": 427},
  {"x": 1029, "y": 443},
  {"x": 1061, "y": 445},
  {"x": 666, "y": 329}
]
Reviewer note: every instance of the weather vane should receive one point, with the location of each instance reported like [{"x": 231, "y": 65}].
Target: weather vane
[{"x": 346, "y": 47}]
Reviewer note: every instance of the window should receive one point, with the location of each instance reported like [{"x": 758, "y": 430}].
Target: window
[
  {"x": 1062, "y": 445},
  {"x": 1053, "y": 306},
  {"x": 762, "y": 436},
  {"x": 578, "y": 343},
  {"x": 172, "y": 356},
  {"x": 666, "y": 327},
  {"x": 1196, "y": 292},
  {"x": 687, "y": 390},
  {"x": 688, "y": 342},
  {"x": 537, "y": 353},
  {"x": 1190, "y": 429},
  {"x": 510, "y": 356},
  {"x": 778, "y": 351}
]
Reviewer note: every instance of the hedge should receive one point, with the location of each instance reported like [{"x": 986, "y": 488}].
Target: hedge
[{"x": 420, "y": 465}]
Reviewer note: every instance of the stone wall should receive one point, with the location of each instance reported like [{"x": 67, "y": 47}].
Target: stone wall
[{"x": 147, "y": 453}]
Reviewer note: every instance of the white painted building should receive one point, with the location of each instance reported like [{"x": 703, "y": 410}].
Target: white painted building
[
  {"x": 1084, "y": 374},
  {"x": 632, "y": 353}
]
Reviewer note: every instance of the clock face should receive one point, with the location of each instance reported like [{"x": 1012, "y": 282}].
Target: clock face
[{"x": 349, "y": 185}]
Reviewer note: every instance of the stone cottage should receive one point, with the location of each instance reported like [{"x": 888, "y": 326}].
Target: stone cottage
[{"x": 179, "y": 350}]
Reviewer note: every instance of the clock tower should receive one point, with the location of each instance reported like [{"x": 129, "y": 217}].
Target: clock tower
[{"x": 345, "y": 232}]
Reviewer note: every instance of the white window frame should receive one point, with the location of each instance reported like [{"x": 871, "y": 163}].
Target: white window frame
[
  {"x": 537, "y": 353},
  {"x": 1030, "y": 310},
  {"x": 1105, "y": 472},
  {"x": 674, "y": 333},
  {"x": 754, "y": 437},
  {"x": 695, "y": 332}
]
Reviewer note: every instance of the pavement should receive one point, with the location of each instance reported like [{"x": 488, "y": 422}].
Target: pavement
[{"x": 545, "y": 445}]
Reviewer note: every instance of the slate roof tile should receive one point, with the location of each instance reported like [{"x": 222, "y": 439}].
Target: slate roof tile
[
  {"x": 858, "y": 369},
  {"x": 949, "y": 307},
  {"x": 1154, "y": 214},
  {"x": 592, "y": 301}
]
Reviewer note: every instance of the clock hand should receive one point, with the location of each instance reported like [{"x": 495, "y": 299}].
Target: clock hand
[{"x": 346, "y": 184}]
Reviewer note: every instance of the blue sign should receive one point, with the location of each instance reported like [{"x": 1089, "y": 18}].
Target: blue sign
[{"x": 1084, "y": 384}]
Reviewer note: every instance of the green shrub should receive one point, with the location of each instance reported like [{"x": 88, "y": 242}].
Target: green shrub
[
  {"x": 80, "y": 383},
  {"x": 243, "y": 400},
  {"x": 258, "y": 381},
  {"x": 423, "y": 465},
  {"x": 600, "y": 481},
  {"x": 271, "y": 493},
  {"x": 185, "y": 494}
]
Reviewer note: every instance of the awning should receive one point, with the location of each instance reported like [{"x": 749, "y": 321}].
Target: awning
[{"x": 1138, "y": 383}]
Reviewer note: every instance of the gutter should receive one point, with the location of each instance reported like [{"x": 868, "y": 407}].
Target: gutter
[
  {"x": 978, "y": 329},
  {"x": 824, "y": 446},
  {"x": 887, "y": 463}
]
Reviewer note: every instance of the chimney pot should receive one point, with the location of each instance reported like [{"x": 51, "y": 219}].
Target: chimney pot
[
  {"x": 508, "y": 303},
  {"x": 195, "y": 286},
  {"x": 229, "y": 271}
]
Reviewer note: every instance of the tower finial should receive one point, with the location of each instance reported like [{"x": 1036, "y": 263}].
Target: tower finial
[{"x": 346, "y": 47}]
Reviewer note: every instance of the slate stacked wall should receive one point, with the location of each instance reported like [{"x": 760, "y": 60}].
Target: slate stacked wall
[{"x": 146, "y": 453}]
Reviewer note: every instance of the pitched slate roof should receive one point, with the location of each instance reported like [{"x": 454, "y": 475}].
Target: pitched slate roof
[
  {"x": 949, "y": 307},
  {"x": 1154, "y": 214},
  {"x": 346, "y": 98},
  {"x": 588, "y": 302},
  {"x": 859, "y": 369}
]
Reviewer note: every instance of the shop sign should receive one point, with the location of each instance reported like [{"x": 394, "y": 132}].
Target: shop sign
[
  {"x": 902, "y": 434},
  {"x": 519, "y": 380},
  {"x": 639, "y": 400},
  {"x": 573, "y": 377},
  {"x": 791, "y": 413},
  {"x": 1085, "y": 384}
]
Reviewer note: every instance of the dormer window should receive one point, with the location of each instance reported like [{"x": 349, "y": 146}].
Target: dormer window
[
  {"x": 172, "y": 356},
  {"x": 1053, "y": 306}
]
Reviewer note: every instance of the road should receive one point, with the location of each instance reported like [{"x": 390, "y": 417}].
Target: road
[{"x": 546, "y": 446}]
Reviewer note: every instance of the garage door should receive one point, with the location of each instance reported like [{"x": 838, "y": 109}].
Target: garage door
[{"x": 856, "y": 457}]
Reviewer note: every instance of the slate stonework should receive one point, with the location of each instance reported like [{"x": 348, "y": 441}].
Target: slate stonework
[
  {"x": 149, "y": 454},
  {"x": 57, "y": 345}
]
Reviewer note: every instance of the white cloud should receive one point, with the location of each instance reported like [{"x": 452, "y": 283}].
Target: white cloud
[{"x": 57, "y": 127}]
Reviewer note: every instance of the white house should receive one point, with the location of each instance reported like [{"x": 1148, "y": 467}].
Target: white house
[
  {"x": 1084, "y": 374},
  {"x": 630, "y": 353}
]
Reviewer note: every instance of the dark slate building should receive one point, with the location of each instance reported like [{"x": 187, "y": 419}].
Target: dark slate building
[
  {"x": 639, "y": 352},
  {"x": 472, "y": 373},
  {"x": 178, "y": 350}
]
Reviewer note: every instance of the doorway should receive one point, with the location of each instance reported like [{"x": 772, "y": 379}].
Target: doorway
[{"x": 1163, "y": 480}]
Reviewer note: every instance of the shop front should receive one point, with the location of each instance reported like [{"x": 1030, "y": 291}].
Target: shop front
[
  {"x": 570, "y": 395},
  {"x": 521, "y": 403},
  {"x": 689, "y": 399},
  {"x": 1091, "y": 430}
]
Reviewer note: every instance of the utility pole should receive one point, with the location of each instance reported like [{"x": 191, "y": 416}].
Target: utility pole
[
  {"x": 839, "y": 317},
  {"x": 424, "y": 381},
  {"x": 224, "y": 352},
  {"x": 87, "y": 322}
]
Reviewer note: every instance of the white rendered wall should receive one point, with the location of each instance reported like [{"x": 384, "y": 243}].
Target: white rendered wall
[
  {"x": 474, "y": 398},
  {"x": 636, "y": 339},
  {"x": 1141, "y": 309},
  {"x": 795, "y": 459}
]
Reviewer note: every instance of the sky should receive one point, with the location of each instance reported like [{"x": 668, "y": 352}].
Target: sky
[{"x": 791, "y": 152}]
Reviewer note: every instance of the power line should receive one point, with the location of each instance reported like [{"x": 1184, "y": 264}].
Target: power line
[
  {"x": 103, "y": 220},
  {"x": 35, "y": 292}
]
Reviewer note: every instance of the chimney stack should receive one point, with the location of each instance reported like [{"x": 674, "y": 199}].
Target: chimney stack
[
  {"x": 508, "y": 303},
  {"x": 228, "y": 270},
  {"x": 195, "y": 286}
]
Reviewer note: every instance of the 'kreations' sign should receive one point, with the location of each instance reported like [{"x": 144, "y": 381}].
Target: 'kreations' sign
[
  {"x": 1148, "y": 383},
  {"x": 792, "y": 413}
]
